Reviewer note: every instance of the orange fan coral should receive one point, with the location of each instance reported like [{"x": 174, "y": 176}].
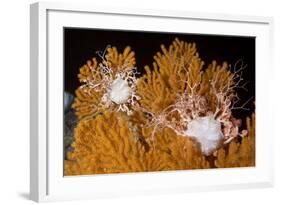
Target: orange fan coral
[
  {"x": 119, "y": 61},
  {"x": 87, "y": 99},
  {"x": 239, "y": 154},
  {"x": 177, "y": 116},
  {"x": 102, "y": 147},
  {"x": 158, "y": 88},
  {"x": 185, "y": 155},
  {"x": 110, "y": 84},
  {"x": 183, "y": 152}
]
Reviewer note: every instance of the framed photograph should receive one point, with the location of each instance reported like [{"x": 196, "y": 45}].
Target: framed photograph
[{"x": 128, "y": 101}]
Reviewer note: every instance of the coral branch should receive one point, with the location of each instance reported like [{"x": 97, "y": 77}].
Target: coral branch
[
  {"x": 158, "y": 88},
  {"x": 183, "y": 153},
  {"x": 100, "y": 147}
]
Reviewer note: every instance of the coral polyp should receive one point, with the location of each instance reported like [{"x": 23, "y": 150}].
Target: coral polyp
[{"x": 177, "y": 115}]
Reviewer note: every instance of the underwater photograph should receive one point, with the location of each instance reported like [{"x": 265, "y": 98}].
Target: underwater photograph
[{"x": 138, "y": 101}]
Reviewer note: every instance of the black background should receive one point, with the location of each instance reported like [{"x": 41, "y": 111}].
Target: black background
[{"x": 81, "y": 45}]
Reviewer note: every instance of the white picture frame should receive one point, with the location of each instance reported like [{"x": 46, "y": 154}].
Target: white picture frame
[{"x": 47, "y": 182}]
